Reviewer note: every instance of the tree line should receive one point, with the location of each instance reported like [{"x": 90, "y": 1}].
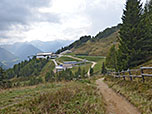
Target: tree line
[
  {"x": 27, "y": 68},
  {"x": 135, "y": 37},
  {"x": 27, "y": 74},
  {"x": 66, "y": 75}
]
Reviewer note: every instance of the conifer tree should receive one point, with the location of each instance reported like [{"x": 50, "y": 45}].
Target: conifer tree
[
  {"x": 83, "y": 73},
  {"x": 147, "y": 20},
  {"x": 111, "y": 59},
  {"x": 144, "y": 44},
  {"x": 129, "y": 34},
  {"x": 103, "y": 70},
  {"x": 91, "y": 71}
]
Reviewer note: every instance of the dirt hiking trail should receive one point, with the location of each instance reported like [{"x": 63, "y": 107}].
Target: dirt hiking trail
[{"x": 115, "y": 104}]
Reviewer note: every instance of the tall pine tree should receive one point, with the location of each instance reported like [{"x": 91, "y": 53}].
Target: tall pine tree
[
  {"x": 129, "y": 34},
  {"x": 111, "y": 59},
  {"x": 147, "y": 21},
  {"x": 144, "y": 43}
]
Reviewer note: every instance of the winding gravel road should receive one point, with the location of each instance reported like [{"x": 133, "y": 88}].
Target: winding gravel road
[{"x": 115, "y": 103}]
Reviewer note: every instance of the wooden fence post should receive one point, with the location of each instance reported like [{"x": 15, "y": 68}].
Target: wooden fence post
[
  {"x": 123, "y": 75},
  {"x": 130, "y": 74},
  {"x": 114, "y": 74},
  {"x": 118, "y": 74},
  {"x": 142, "y": 72}
]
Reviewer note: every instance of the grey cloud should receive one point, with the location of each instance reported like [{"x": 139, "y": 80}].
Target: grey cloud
[
  {"x": 23, "y": 12},
  {"x": 18, "y": 15}
]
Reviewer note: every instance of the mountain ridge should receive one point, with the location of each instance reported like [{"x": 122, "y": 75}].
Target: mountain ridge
[
  {"x": 21, "y": 50},
  {"x": 50, "y": 46},
  {"x": 95, "y": 45},
  {"x": 7, "y": 59}
]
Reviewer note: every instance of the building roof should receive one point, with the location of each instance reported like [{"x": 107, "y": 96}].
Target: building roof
[
  {"x": 59, "y": 67},
  {"x": 44, "y": 54},
  {"x": 73, "y": 62},
  {"x": 70, "y": 62}
]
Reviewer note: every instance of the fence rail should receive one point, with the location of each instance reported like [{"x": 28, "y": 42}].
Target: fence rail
[{"x": 130, "y": 75}]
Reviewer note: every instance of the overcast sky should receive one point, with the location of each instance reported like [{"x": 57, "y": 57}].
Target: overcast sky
[{"x": 46, "y": 20}]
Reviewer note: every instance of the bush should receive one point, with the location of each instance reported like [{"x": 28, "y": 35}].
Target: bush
[
  {"x": 50, "y": 76},
  {"x": 91, "y": 71},
  {"x": 5, "y": 84},
  {"x": 35, "y": 81},
  {"x": 104, "y": 70}
]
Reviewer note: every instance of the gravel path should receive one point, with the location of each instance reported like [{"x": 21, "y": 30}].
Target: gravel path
[{"x": 115, "y": 104}]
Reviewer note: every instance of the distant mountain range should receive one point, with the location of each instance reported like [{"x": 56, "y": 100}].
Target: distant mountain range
[
  {"x": 1, "y": 64},
  {"x": 21, "y": 50},
  {"x": 7, "y": 59},
  {"x": 14, "y": 53},
  {"x": 50, "y": 46}
]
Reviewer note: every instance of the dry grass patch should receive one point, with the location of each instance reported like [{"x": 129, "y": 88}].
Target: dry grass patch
[
  {"x": 74, "y": 97},
  {"x": 100, "y": 47}
]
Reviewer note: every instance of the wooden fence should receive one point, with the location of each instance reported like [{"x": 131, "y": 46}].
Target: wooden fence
[{"x": 129, "y": 73}]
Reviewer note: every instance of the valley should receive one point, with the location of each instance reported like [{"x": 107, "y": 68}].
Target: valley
[
  {"x": 37, "y": 85},
  {"x": 12, "y": 54},
  {"x": 67, "y": 57},
  {"x": 36, "y": 82}
]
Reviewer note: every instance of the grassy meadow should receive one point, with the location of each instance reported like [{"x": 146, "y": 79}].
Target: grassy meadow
[
  {"x": 86, "y": 67},
  {"x": 98, "y": 48},
  {"x": 98, "y": 59},
  {"x": 80, "y": 97},
  {"x": 64, "y": 58}
]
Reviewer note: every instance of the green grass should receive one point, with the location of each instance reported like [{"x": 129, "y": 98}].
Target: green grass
[
  {"x": 98, "y": 66},
  {"x": 80, "y": 97},
  {"x": 17, "y": 95},
  {"x": 72, "y": 54},
  {"x": 84, "y": 66},
  {"x": 100, "y": 47},
  {"x": 63, "y": 59},
  {"x": 47, "y": 68},
  {"x": 98, "y": 59},
  {"x": 92, "y": 58},
  {"x": 138, "y": 93}
]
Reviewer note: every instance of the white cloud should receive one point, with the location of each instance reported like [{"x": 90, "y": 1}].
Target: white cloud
[
  {"x": 68, "y": 19},
  {"x": 77, "y": 17}
]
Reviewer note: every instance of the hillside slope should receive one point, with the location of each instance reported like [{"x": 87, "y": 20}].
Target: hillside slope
[
  {"x": 95, "y": 45},
  {"x": 75, "y": 44},
  {"x": 98, "y": 47}
]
